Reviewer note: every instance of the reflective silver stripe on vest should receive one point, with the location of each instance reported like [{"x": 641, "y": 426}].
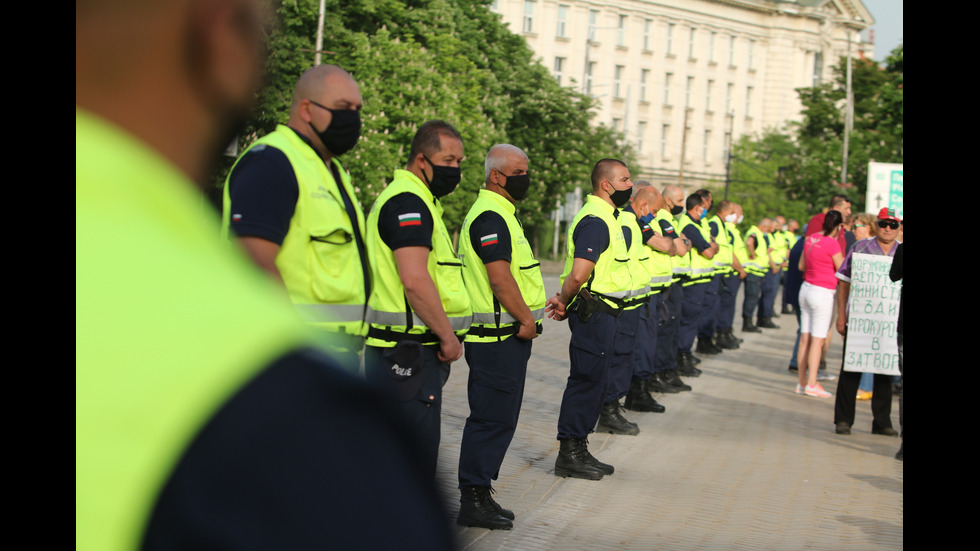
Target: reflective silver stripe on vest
[
  {"x": 484, "y": 318},
  {"x": 702, "y": 271},
  {"x": 639, "y": 292},
  {"x": 682, "y": 270},
  {"x": 658, "y": 280},
  {"x": 397, "y": 319},
  {"x": 326, "y": 313}
]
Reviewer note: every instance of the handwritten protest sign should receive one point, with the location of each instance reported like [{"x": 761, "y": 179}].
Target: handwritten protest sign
[{"x": 872, "y": 320}]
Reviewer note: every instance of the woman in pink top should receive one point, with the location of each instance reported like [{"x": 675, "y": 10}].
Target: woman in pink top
[{"x": 819, "y": 262}]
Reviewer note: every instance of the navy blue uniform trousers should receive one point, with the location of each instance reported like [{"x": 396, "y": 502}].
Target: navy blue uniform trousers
[
  {"x": 709, "y": 311},
  {"x": 423, "y": 411},
  {"x": 590, "y": 352},
  {"x": 726, "y": 300},
  {"x": 690, "y": 316},
  {"x": 666, "y": 354},
  {"x": 621, "y": 369},
  {"x": 646, "y": 339},
  {"x": 495, "y": 389}
]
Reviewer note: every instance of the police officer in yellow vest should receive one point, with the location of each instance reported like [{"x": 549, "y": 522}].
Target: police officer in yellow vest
[
  {"x": 703, "y": 250},
  {"x": 708, "y": 343},
  {"x": 757, "y": 265},
  {"x": 292, "y": 206},
  {"x": 201, "y": 401},
  {"x": 595, "y": 286},
  {"x": 653, "y": 251},
  {"x": 732, "y": 252},
  {"x": 508, "y": 298},
  {"x": 665, "y": 377},
  {"x": 419, "y": 310},
  {"x": 770, "y": 284}
]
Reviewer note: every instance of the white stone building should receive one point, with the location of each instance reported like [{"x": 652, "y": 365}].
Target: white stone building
[{"x": 678, "y": 77}]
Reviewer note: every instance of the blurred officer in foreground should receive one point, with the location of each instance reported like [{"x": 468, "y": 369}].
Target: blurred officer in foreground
[
  {"x": 507, "y": 294},
  {"x": 205, "y": 415}
]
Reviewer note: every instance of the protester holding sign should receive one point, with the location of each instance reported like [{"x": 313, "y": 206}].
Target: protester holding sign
[
  {"x": 819, "y": 262},
  {"x": 871, "y": 328}
]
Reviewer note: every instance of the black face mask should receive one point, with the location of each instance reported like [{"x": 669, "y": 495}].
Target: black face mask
[
  {"x": 676, "y": 209},
  {"x": 341, "y": 135},
  {"x": 444, "y": 179},
  {"x": 620, "y": 197},
  {"x": 517, "y": 185}
]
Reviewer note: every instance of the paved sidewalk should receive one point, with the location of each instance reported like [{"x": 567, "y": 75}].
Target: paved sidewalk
[{"x": 741, "y": 462}]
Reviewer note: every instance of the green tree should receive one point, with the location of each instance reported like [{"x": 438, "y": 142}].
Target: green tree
[
  {"x": 454, "y": 60},
  {"x": 877, "y": 134}
]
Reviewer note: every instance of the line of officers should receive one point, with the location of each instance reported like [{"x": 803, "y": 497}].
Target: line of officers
[{"x": 392, "y": 293}]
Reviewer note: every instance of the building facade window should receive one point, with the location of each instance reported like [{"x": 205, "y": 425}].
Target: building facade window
[
  {"x": 664, "y": 135},
  {"x": 751, "y": 54},
  {"x": 817, "y": 68},
  {"x": 618, "y": 81},
  {"x": 705, "y": 153},
  {"x": 687, "y": 92},
  {"x": 728, "y": 98},
  {"x": 648, "y": 34},
  {"x": 529, "y": 6},
  {"x": 641, "y": 130},
  {"x": 667, "y": 78},
  {"x": 593, "y": 22},
  {"x": 589, "y": 70},
  {"x": 691, "y": 43},
  {"x": 562, "y": 21},
  {"x": 644, "y": 77},
  {"x": 731, "y": 51},
  {"x": 707, "y": 96},
  {"x": 748, "y": 101},
  {"x": 559, "y": 68},
  {"x": 670, "y": 38},
  {"x": 621, "y": 31},
  {"x": 711, "y": 46}
]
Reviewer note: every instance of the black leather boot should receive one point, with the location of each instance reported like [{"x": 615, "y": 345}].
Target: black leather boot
[
  {"x": 766, "y": 323},
  {"x": 612, "y": 421},
  {"x": 706, "y": 346},
  {"x": 726, "y": 339},
  {"x": 506, "y": 513},
  {"x": 658, "y": 383},
  {"x": 748, "y": 326},
  {"x": 606, "y": 468},
  {"x": 475, "y": 509},
  {"x": 638, "y": 399},
  {"x": 686, "y": 365},
  {"x": 674, "y": 380},
  {"x": 573, "y": 461}
]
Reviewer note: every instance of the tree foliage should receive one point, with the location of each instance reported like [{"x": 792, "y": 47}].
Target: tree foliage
[
  {"x": 810, "y": 152},
  {"x": 416, "y": 60}
]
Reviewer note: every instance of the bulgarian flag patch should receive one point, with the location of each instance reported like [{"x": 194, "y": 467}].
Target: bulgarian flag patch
[
  {"x": 409, "y": 219},
  {"x": 488, "y": 240}
]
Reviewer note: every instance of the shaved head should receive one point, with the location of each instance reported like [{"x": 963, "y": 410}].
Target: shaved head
[
  {"x": 315, "y": 81},
  {"x": 648, "y": 199},
  {"x": 603, "y": 170},
  {"x": 674, "y": 193}
]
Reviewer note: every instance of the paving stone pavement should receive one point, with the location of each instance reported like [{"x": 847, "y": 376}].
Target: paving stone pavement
[{"x": 740, "y": 462}]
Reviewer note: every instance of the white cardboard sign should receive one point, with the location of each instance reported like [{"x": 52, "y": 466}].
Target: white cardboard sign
[{"x": 872, "y": 320}]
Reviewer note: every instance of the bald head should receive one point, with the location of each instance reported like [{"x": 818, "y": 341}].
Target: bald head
[
  {"x": 764, "y": 224},
  {"x": 316, "y": 82},
  {"x": 674, "y": 194}
]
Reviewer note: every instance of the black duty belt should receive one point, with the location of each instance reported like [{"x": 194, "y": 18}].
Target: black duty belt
[
  {"x": 505, "y": 331},
  {"x": 389, "y": 335}
]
